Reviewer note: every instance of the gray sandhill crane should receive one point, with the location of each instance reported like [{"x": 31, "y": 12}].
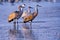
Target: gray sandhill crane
[
  {"x": 14, "y": 16},
  {"x": 31, "y": 16}
]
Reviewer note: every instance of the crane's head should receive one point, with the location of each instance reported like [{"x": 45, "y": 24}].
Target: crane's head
[
  {"x": 19, "y": 7},
  {"x": 23, "y": 5},
  {"x": 30, "y": 7}
]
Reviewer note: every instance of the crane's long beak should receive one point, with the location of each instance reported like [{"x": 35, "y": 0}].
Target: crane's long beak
[
  {"x": 39, "y": 6},
  {"x": 30, "y": 7}
]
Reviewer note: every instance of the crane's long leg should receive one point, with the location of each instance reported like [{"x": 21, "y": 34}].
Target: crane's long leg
[
  {"x": 31, "y": 25},
  {"x": 14, "y": 24},
  {"x": 24, "y": 23},
  {"x": 17, "y": 24}
]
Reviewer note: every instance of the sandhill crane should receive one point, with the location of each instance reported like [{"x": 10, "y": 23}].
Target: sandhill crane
[
  {"x": 31, "y": 16},
  {"x": 26, "y": 13},
  {"x": 14, "y": 16}
]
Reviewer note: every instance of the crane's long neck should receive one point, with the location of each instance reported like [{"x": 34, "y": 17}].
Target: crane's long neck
[
  {"x": 36, "y": 9},
  {"x": 21, "y": 10},
  {"x": 29, "y": 11}
]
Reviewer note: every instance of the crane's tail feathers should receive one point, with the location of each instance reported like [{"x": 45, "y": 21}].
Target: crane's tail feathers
[{"x": 10, "y": 20}]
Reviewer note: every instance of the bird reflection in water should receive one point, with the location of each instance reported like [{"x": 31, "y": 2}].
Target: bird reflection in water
[
  {"x": 15, "y": 35},
  {"x": 27, "y": 32},
  {"x": 12, "y": 34},
  {"x": 24, "y": 34}
]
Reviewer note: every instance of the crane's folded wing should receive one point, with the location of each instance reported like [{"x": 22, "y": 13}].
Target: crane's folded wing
[{"x": 11, "y": 17}]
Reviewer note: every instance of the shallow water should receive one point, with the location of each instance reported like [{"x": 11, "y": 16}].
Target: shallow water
[{"x": 47, "y": 27}]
